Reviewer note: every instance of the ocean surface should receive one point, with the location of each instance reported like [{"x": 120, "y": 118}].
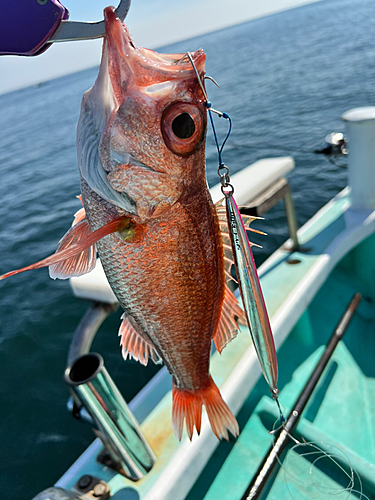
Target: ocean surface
[{"x": 285, "y": 80}]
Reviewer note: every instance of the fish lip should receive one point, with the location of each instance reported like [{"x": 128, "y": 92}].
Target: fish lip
[
  {"x": 116, "y": 31},
  {"x": 122, "y": 52}
]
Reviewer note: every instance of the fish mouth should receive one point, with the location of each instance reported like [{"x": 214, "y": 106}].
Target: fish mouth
[
  {"x": 130, "y": 68},
  {"x": 129, "y": 65}
]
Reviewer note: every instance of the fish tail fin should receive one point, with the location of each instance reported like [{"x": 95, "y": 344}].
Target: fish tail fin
[{"x": 187, "y": 405}]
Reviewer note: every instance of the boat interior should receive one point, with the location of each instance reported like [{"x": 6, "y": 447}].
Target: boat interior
[{"x": 308, "y": 284}]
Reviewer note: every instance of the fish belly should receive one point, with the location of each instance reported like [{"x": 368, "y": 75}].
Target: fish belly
[{"x": 168, "y": 275}]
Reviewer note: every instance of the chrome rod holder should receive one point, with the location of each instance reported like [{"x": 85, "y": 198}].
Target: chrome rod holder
[{"x": 94, "y": 389}]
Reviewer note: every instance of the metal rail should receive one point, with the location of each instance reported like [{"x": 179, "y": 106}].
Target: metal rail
[
  {"x": 86, "y": 330},
  {"x": 279, "y": 190}
]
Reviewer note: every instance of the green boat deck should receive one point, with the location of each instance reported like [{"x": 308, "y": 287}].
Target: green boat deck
[{"x": 340, "y": 416}]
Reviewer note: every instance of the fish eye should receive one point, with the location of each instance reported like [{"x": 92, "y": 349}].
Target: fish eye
[{"x": 182, "y": 128}]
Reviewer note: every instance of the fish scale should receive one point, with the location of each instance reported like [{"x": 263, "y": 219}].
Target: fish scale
[
  {"x": 148, "y": 213},
  {"x": 155, "y": 303}
]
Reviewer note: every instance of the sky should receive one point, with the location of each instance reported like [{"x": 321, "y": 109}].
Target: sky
[{"x": 152, "y": 23}]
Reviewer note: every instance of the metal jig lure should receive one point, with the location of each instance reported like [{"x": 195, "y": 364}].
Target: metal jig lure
[{"x": 247, "y": 276}]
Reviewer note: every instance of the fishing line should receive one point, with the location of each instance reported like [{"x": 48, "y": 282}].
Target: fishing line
[
  {"x": 312, "y": 448},
  {"x": 261, "y": 147},
  {"x": 247, "y": 276},
  {"x": 211, "y": 110},
  {"x": 227, "y": 117}
]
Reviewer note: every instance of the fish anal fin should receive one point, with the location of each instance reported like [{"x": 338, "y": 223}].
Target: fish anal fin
[
  {"x": 81, "y": 263},
  {"x": 187, "y": 405},
  {"x": 228, "y": 325},
  {"x": 134, "y": 345}
]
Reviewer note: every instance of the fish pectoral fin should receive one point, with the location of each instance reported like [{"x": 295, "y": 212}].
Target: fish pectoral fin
[
  {"x": 228, "y": 326},
  {"x": 76, "y": 248},
  {"x": 134, "y": 345},
  {"x": 187, "y": 405},
  {"x": 153, "y": 192},
  {"x": 80, "y": 263}
]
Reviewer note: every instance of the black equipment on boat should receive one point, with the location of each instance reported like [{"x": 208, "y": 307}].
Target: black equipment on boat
[{"x": 335, "y": 144}]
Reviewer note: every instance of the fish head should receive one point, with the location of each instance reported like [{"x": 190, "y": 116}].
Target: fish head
[{"x": 141, "y": 133}]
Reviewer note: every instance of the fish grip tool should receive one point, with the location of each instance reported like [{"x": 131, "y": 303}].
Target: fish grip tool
[
  {"x": 247, "y": 276},
  {"x": 29, "y": 27}
]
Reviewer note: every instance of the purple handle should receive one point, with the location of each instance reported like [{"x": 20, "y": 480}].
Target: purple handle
[{"x": 27, "y": 25}]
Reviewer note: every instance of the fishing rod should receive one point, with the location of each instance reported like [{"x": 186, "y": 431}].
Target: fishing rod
[{"x": 256, "y": 487}]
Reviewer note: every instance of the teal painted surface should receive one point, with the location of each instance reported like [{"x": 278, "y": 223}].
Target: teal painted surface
[
  {"x": 233, "y": 464},
  {"x": 345, "y": 393},
  {"x": 341, "y": 412},
  {"x": 279, "y": 278}
]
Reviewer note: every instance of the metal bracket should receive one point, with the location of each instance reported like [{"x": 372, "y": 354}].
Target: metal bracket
[
  {"x": 86, "y": 330},
  {"x": 279, "y": 190},
  {"x": 91, "y": 488}
]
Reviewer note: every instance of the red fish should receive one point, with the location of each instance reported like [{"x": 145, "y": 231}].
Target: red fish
[{"x": 147, "y": 207}]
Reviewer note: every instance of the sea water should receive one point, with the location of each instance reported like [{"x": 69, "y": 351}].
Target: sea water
[{"x": 284, "y": 79}]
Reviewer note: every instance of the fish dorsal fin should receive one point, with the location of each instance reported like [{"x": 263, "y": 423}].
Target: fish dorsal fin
[
  {"x": 134, "y": 345},
  {"x": 227, "y": 246},
  {"x": 81, "y": 263},
  {"x": 246, "y": 219},
  {"x": 228, "y": 326}
]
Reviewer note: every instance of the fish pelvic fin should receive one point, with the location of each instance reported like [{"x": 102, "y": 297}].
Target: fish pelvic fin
[
  {"x": 231, "y": 315},
  {"x": 76, "y": 248},
  {"x": 187, "y": 405},
  {"x": 134, "y": 345}
]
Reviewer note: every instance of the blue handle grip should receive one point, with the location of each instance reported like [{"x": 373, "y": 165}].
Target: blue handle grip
[{"x": 27, "y": 25}]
